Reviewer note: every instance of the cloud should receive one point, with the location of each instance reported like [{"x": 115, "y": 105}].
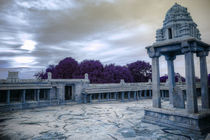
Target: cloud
[{"x": 37, "y": 33}]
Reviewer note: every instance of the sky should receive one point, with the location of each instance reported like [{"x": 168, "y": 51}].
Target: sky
[{"x": 37, "y": 33}]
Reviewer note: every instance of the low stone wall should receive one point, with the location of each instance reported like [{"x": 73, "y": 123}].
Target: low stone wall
[
  {"x": 179, "y": 119},
  {"x": 82, "y": 91},
  {"x": 27, "y": 105}
]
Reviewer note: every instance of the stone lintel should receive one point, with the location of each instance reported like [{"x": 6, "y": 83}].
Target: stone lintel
[
  {"x": 177, "y": 46},
  {"x": 170, "y": 57}
]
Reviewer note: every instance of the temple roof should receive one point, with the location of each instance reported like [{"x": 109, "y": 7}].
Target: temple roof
[{"x": 177, "y": 13}]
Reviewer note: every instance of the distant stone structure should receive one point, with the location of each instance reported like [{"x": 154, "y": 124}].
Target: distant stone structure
[
  {"x": 18, "y": 93},
  {"x": 180, "y": 36},
  {"x": 12, "y": 76}
]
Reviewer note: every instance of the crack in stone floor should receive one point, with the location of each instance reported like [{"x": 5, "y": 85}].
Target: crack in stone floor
[{"x": 103, "y": 121}]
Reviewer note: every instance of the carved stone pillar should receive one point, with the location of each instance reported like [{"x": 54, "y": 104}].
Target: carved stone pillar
[
  {"x": 171, "y": 76},
  {"x": 192, "y": 105},
  {"x": 156, "y": 83},
  {"x": 204, "y": 80}
]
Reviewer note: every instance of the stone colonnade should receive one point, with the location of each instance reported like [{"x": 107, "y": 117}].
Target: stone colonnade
[
  {"x": 36, "y": 93},
  {"x": 123, "y": 96},
  {"x": 192, "y": 105}
]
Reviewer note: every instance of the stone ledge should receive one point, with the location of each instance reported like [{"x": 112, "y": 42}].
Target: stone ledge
[
  {"x": 194, "y": 123},
  {"x": 180, "y": 112}
]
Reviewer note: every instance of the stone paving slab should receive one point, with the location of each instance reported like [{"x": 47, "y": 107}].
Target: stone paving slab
[{"x": 102, "y": 121}]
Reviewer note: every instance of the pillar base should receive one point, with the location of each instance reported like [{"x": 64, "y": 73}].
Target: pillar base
[{"x": 197, "y": 124}]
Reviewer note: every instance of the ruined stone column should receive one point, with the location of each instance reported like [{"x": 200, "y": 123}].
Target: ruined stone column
[
  {"x": 171, "y": 76},
  {"x": 192, "y": 105},
  {"x": 156, "y": 83},
  {"x": 8, "y": 96},
  {"x": 204, "y": 80}
]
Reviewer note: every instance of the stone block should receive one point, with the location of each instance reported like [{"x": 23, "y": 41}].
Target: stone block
[
  {"x": 178, "y": 98},
  {"x": 196, "y": 124}
]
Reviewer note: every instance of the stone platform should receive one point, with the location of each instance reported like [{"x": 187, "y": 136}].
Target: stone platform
[{"x": 197, "y": 124}]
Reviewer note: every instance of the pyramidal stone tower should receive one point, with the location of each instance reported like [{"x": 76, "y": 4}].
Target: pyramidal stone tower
[
  {"x": 178, "y": 23},
  {"x": 180, "y": 36}
]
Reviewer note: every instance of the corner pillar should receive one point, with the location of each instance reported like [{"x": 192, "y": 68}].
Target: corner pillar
[
  {"x": 171, "y": 76},
  {"x": 156, "y": 102},
  {"x": 192, "y": 105},
  {"x": 205, "y": 97}
]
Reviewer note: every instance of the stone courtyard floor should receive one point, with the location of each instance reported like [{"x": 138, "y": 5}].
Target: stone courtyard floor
[{"x": 100, "y": 121}]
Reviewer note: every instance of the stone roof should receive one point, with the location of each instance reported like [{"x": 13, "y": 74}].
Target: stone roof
[
  {"x": 177, "y": 24},
  {"x": 177, "y": 13}
]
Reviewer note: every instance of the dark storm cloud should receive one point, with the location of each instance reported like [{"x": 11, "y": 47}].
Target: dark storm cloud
[{"x": 36, "y": 33}]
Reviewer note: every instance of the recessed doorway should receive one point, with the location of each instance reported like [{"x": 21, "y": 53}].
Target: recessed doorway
[{"x": 68, "y": 93}]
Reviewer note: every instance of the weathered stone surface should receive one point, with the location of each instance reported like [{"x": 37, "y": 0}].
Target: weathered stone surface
[
  {"x": 179, "y": 119},
  {"x": 178, "y": 98},
  {"x": 128, "y": 132},
  {"x": 84, "y": 122},
  {"x": 156, "y": 83}
]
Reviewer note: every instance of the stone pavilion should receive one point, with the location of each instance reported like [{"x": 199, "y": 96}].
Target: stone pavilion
[{"x": 180, "y": 36}]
